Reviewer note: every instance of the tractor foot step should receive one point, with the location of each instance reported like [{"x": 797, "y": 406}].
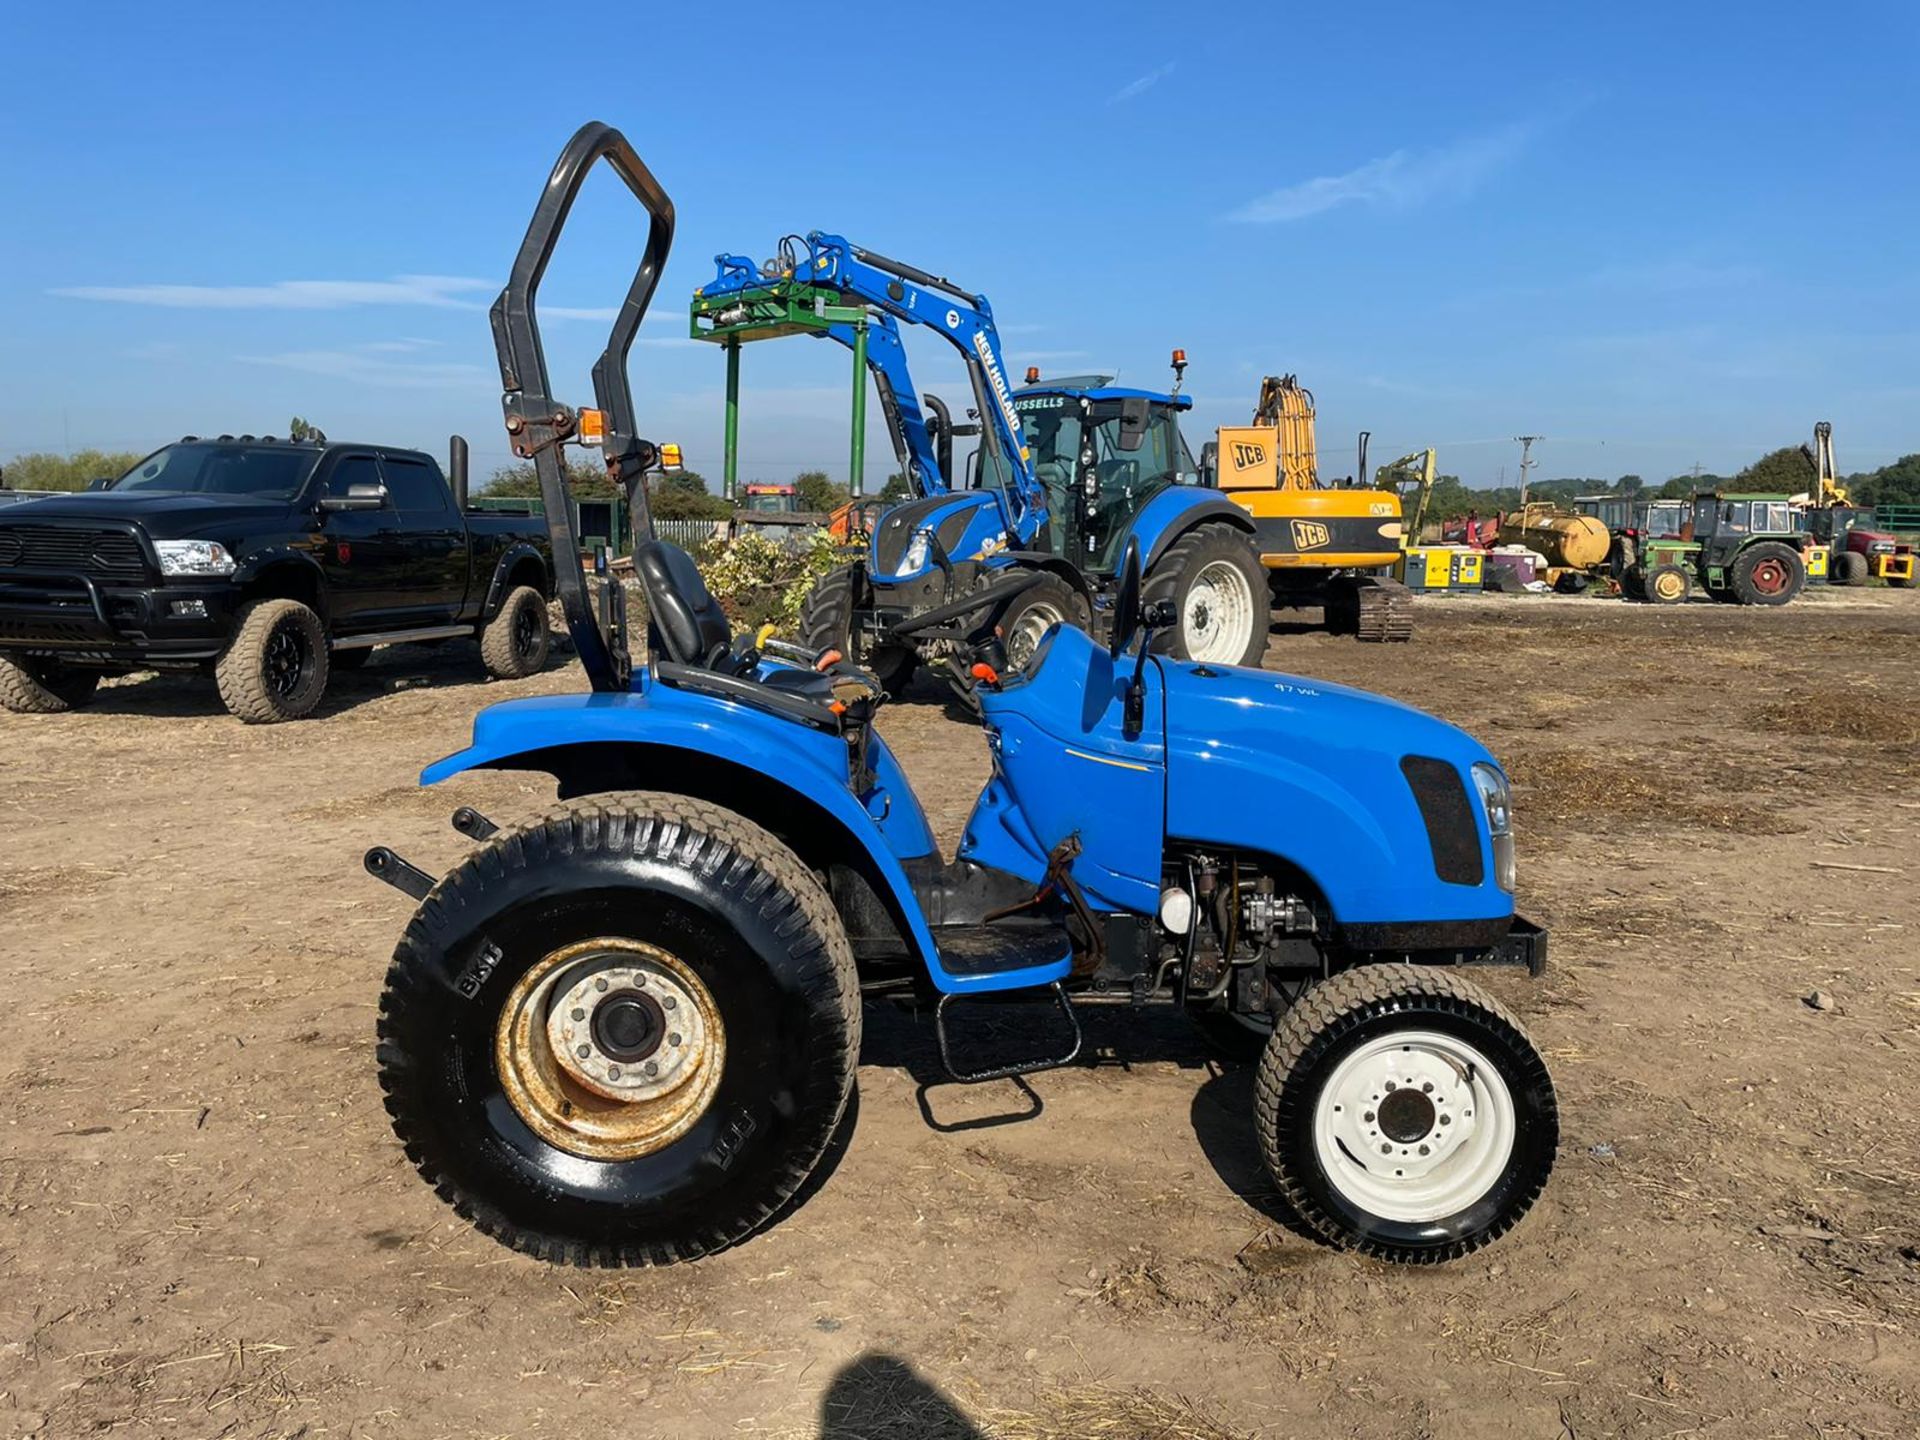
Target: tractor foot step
[
  {"x": 472, "y": 824},
  {"x": 383, "y": 864},
  {"x": 1005, "y": 1072}
]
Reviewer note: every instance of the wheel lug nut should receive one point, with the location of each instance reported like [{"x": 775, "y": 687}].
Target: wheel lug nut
[
  {"x": 653, "y": 1067},
  {"x": 1425, "y": 1151},
  {"x": 1428, "y": 1087},
  {"x": 669, "y": 1003},
  {"x": 584, "y": 1051},
  {"x": 674, "y": 1038},
  {"x": 1446, "y": 1119},
  {"x": 1391, "y": 1085},
  {"x": 579, "y": 1014},
  {"x": 1386, "y": 1149},
  {"x": 600, "y": 985},
  {"x": 613, "y": 1073},
  {"x": 1368, "y": 1117}
]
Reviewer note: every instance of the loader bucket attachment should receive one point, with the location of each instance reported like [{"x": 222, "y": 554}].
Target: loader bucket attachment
[{"x": 538, "y": 425}]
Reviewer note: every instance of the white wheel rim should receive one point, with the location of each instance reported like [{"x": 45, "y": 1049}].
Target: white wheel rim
[
  {"x": 1028, "y": 629},
  {"x": 1433, "y": 1151},
  {"x": 1217, "y": 623}
]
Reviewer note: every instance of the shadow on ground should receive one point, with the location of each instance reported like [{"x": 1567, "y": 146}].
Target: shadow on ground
[{"x": 877, "y": 1394}]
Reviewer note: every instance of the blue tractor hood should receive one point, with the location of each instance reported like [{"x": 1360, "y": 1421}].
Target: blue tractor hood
[{"x": 1372, "y": 800}]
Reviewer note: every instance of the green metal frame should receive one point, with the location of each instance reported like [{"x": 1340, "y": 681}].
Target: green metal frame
[{"x": 772, "y": 312}]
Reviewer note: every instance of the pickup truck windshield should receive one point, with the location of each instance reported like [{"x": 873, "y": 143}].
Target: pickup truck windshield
[{"x": 214, "y": 467}]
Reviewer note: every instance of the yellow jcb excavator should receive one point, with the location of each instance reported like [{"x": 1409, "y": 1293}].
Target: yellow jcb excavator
[{"x": 1331, "y": 545}]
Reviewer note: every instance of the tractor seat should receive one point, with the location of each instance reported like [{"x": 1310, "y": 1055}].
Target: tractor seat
[{"x": 687, "y": 631}]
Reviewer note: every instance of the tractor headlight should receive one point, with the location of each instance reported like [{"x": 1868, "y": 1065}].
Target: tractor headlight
[
  {"x": 193, "y": 557},
  {"x": 915, "y": 559},
  {"x": 1496, "y": 800}
]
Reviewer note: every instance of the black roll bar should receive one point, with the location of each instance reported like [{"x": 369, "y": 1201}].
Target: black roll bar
[{"x": 538, "y": 425}]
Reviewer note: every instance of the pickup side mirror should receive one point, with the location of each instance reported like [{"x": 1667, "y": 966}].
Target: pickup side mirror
[{"x": 365, "y": 496}]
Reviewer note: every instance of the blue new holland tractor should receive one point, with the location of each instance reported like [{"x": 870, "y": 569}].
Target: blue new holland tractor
[
  {"x": 1066, "y": 475},
  {"x": 627, "y": 1033}
]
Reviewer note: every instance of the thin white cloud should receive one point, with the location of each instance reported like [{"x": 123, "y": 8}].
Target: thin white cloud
[
  {"x": 365, "y": 368},
  {"x": 1399, "y": 181},
  {"x": 579, "y": 312},
  {"x": 446, "y": 292},
  {"x": 1133, "y": 89}
]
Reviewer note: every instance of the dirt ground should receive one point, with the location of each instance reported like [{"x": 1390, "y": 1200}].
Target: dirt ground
[{"x": 207, "y": 1228}]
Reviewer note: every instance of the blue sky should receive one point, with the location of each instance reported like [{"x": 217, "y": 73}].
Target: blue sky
[{"x": 1658, "y": 235}]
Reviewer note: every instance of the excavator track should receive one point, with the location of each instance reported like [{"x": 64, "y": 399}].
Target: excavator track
[{"x": 1384, "y": 610}]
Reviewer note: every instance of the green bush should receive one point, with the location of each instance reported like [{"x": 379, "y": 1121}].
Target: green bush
[{"x": 758, "y": 582}]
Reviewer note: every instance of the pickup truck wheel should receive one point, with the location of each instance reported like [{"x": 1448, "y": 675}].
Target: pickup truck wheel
[
  {"x": 276, "y": 666},
  {"x": 622, "y": 1035},
  {"x": 514, "y": 643},
  {"x": 1404, "y": 1113},
  {"x": 44, "y": 687}
]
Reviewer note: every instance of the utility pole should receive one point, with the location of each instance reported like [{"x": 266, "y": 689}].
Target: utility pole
[{"x": 1526, "y": 464}]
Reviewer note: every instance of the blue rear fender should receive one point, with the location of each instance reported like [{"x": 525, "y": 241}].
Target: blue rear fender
[
  {"x": 1311, "y": 773},
  {"x": 1173, "y": 512},
  {"x": 658, "y": 738}
]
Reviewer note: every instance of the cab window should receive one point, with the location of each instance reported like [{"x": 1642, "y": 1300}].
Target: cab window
[{"x": 414, "y": 485}]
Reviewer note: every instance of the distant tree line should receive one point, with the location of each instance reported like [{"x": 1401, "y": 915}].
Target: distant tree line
[{"x": 682, "y": 495}]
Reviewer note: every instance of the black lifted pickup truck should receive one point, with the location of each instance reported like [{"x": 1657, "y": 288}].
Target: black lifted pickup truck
[{"x": 263, "y": 563}]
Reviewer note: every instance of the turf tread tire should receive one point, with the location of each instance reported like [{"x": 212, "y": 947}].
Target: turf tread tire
[
  {"x": 241, "y": 670},
  {"x": 1849, "y": 567},
  {"x": 729, "y": 852},
  {"x": 1340, "y": 1004}
]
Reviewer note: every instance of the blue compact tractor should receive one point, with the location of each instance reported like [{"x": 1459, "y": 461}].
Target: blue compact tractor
[{"x": 628, "y": 1033}]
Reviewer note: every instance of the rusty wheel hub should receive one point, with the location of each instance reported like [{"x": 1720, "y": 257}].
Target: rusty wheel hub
[{"x": 610, "y": 1048}]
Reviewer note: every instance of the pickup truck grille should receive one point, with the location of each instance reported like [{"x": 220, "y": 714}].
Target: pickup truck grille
[{"x": 71, "y": 549}]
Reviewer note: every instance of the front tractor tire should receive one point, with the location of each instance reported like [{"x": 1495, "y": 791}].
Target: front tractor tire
[
  {"x": 827, "y": 623},
  {"x": 622, "y": 1035},
  {"x": 1849, "y": 567},
  {"x": 513, "y": 645},
  {"x": 275, "y": 668},
  {"x": 1026, "y": 618},
  {"x": 1404, "y": 1113},
  {"x": 1769, "y": 573},
  {"x": 1667, "y": 585},
  {"x": 1219, "y": 591},
  {"x": 44, "y": 687}
]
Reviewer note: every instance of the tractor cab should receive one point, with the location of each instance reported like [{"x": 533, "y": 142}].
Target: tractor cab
[
  {"x": 1724, "y": 523},
  {"x": 1101, "y": 452}
]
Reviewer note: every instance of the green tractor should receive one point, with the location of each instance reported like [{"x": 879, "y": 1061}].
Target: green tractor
[{"x": 1745, "y": 549}]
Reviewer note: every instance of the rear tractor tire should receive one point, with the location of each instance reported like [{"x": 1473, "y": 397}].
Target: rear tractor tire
[
  {"x": 622, "y": 1035},
  {"x": 1404, "y": 1113},
  {"x": 1219, "y": 590},
  {"x": 826, "y": 623},
  {"x": 44, "y": 687},
  {"x": 514, "y": 644},
  {"x": 1769, "y": 573},
  {"x": 275, "y": 668}
]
